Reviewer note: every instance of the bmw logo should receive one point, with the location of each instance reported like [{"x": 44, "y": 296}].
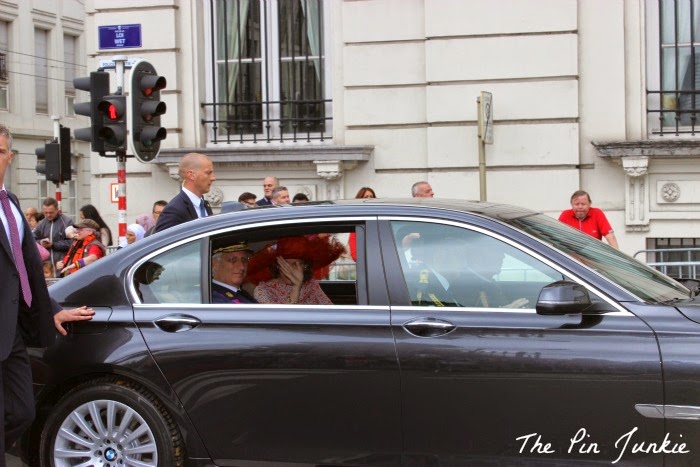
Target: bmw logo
[{"x": 110, "y": 454}]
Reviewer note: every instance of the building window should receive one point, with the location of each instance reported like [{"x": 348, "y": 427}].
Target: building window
[
  {"x": 4, "y": 74},
  {"x": 674, "y": 66},
  {"x": 4, "y": 49},
  {"x": 41, "y": 71},
  {"x": 268, "y": 77},
  {"x": 69, "y": 71}
]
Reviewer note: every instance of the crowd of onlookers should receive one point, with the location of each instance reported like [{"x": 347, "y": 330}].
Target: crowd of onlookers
[{"x": 66, "y": 247}]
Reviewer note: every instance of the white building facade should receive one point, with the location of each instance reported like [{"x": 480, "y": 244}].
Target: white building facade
[
  {"x": 42, "y": 48},
  {"x": 334, "y": 95}
]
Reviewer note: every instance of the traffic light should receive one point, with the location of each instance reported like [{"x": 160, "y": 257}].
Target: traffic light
[
  {"x": 64, "y": 158},
  {"x": 146, "y": 109},
  {"x": 113, "y": 132},
  {"x": 97, "y": 84},
  {"x": 48, "y": 160}
]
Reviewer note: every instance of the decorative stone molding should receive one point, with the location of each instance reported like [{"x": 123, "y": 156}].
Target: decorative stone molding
[
  {"x": 635, "y": 166},
  {"x": 673, "y": 197},
  {"x": 329, "y": 170},
  {"x": 670, "y": 192},
  {"x": 634, "y": 159},
  {"x": 656, "y": 149},
  {"x": 215, "y": 196},
  {"x": 268, "y": 154},
  {"x": 174, "y": 171},
  {"x": 328, "y": 161}
]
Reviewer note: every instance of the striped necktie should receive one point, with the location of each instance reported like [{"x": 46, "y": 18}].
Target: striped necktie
[
  {"x": 13, "y": 235},
  {"x": 202, "y": 209}
]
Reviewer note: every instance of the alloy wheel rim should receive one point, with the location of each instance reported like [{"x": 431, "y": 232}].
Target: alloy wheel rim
[{"x": 106, "y": 433}]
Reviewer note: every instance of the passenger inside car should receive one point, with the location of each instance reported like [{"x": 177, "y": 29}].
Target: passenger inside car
[
  {"x": 475, "y": 275},
  {"x": 229, "y": 266},
  {"x": 288, "y": 270}
]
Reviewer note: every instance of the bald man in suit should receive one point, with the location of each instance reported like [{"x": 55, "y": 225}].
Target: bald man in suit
[{"x": 197, "y": 174}]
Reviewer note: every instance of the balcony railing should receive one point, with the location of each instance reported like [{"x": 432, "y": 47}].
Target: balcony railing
[
  {"x": 678, "y": 112},
  {"x": 268, "y": 121}
]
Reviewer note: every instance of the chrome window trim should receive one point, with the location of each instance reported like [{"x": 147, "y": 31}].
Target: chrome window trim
[
  {"x": 475, "y": 310},
  {"x": 258, "y": 306},
  {"x": 133, "y": 295}
]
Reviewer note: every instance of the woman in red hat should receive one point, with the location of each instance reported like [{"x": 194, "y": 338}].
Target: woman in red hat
[{"x": 287, "y": 271}]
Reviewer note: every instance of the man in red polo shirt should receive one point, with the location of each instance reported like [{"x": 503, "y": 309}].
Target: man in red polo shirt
[{"x": 587, "y": 219}]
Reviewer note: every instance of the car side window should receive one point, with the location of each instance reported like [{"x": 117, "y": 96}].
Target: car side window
[
  {"x": 321, "y": 257},
  {"x": 453, "y": 266},
  {"x": 171, "y": 277}
]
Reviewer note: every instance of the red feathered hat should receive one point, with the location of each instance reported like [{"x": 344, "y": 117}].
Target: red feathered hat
[{"x": 320, "y": 250}]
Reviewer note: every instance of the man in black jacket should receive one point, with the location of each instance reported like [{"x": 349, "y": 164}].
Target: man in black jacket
[
  {"x": 51, "y": 231},
  {"x": 269, "y": 184},
  {"x": 197, "y": 174},
  {"x": 28, "y": 316}
]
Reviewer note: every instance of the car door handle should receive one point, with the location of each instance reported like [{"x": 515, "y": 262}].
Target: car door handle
[
  {"x": 428, "y": 327},
  {"x": 177, "y": 323}
]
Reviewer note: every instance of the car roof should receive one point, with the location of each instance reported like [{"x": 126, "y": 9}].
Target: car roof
[
  {"x": 344, "y": 208},
  {"x": 373, "y": 205}
]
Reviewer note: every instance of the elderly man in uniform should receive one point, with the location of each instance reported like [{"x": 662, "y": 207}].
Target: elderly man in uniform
[{"x": 229, "y": 266}]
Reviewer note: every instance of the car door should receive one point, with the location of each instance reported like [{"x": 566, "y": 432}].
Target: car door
[
  {"x": 486, "y": 379},
  {"x": 277, "y": 382}
]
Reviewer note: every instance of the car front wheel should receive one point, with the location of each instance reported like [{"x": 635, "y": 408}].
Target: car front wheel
[{"x": 108, "y": 423}]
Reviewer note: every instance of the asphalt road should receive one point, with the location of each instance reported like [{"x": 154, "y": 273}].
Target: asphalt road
[{"x": 13, "y": 461}]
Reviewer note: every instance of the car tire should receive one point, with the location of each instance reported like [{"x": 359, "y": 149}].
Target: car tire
[{"x": 76, "y": 431}]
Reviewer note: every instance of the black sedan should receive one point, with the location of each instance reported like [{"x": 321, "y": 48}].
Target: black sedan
[{"x": 459, "y": 334}]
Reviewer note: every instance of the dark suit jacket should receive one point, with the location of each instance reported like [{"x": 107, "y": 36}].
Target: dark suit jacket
[
  {"x": 221, "y": 294},
  {"x": 264, "y": 202},
  {"x": 36, "y": 324},
  {"x": 178, "y": 211}
]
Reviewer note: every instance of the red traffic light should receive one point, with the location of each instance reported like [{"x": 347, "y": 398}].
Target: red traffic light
[
  {"x": 112, "y": 108},
  {"x": 113, "y": 131},
  {"x": 151, "y": 84},
  {"x": 112, "y": 112}
]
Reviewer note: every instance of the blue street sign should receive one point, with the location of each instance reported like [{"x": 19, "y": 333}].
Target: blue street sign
[{"x": 119, "y": 36}]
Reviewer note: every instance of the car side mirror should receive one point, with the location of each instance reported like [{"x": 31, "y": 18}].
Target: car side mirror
[{"x": 562, "y": 298}]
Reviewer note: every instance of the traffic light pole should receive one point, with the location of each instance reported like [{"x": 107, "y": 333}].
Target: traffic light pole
[
  {"x": 121, "y": 157},
  {"x": 57, "y": 135}
]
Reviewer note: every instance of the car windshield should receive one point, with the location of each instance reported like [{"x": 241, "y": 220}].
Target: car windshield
[{"x": 639, "y": 279}]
